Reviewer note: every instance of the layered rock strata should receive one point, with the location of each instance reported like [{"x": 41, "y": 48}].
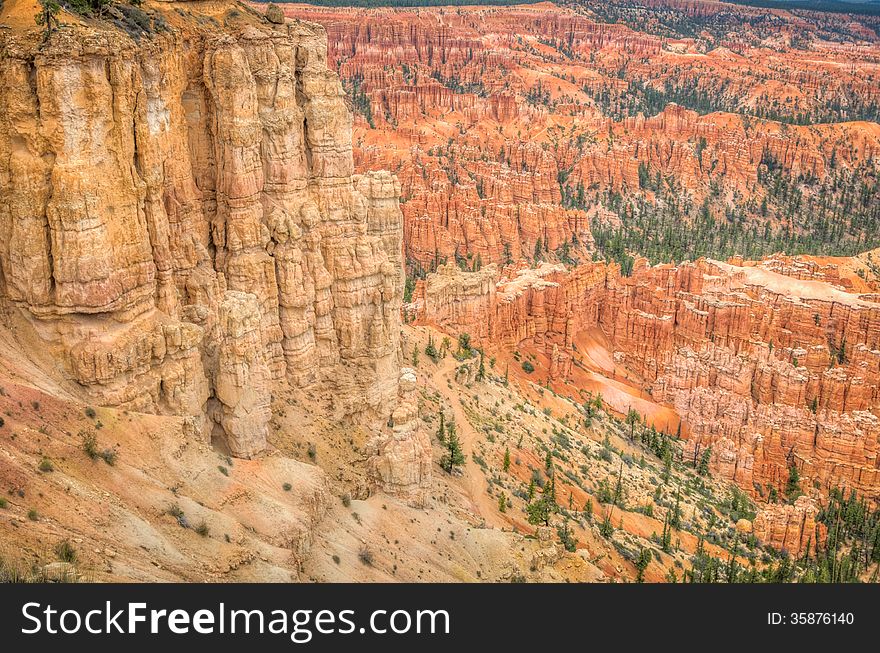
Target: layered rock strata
[
  {"x": 768, "y": 372},
  {"x": 513, "y": 128},
  {"x": 401, "y": 459}
]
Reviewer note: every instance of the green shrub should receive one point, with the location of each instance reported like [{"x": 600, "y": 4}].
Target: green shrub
[
  {"x": 65, "y": 552},
  {"x": 90, "y": 444}
]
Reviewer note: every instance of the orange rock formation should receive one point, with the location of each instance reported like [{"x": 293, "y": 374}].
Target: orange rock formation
[{"x": 770, "y": 372}]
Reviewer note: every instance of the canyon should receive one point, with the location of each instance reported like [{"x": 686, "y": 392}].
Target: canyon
[
  {"x": 763, "y": 371},
  {"x": 531, "y": 130},
  {"x": 521, "y": 134}
]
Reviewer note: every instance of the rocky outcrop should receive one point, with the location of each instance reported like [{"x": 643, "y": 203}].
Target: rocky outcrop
[
  {"x": 401, "y": 462},
  {"x": 767, "y": 371},
  {"x": 180, "y": 223},
  {"x": 791, "y": 528},
  {"x": 241, "y": 385}
]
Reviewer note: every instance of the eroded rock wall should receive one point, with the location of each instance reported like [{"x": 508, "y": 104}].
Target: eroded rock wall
[
  {"x": 770, "y": 372},
  {"x": 180, "y": 221}
]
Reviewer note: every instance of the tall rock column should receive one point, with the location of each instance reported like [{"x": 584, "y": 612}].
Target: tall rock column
[{"x": 241, "y": 384}]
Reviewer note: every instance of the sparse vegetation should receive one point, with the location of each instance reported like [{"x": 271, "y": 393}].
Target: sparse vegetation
[
  {"x": 66, "y": 552},
  {"x": 365, "y": 555},
  {"x": 90, "y": 444}
]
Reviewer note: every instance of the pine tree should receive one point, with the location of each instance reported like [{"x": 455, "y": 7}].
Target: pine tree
[
  {"x": 666, "y": 537},
  {"x": 502, "y": 503},
  {"x": 703, "y": 469},
  {"x": 675, "y": 520},
  {"x": 606, "y": 530},
  {"x": 538, "y": 512},
  {"x": 618, "y": 488},
  {"x": 642, "y": 563},
  {"x": 431, "y": 349},
  {"x": 632, "y": 418},
  {"x": 566, "y": 538},
  {"x": 667, "y": 464},
  {"x": 793, "y": 486},
  {"x": 454, "y": 456},
  {"x": 47, "y": 17},
  {"x": 506, "y": 459},
  {"x": 441, "y": 431}
]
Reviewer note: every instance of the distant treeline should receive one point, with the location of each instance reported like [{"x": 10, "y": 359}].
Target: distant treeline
[
  {"x": 407, "y": 3},
  {"x": 831, "y": 6},
  {"x": 834, "y": 6}
]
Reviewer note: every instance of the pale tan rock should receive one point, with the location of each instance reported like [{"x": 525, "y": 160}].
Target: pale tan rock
[
  {"x": 241, "y": 384},
  {"x": 274, "y": 14},
  {"x": 401, "y": 462}
]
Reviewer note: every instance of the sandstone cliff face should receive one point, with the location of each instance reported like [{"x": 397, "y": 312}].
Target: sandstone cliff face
[
  {"x": 180, "y": 221},
  {"x": 770, "y": 372}
]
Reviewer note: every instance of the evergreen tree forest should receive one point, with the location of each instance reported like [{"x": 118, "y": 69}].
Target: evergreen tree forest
[
  {"x": 706, "y": 94},
  {"x": 839, "y": 216}
]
